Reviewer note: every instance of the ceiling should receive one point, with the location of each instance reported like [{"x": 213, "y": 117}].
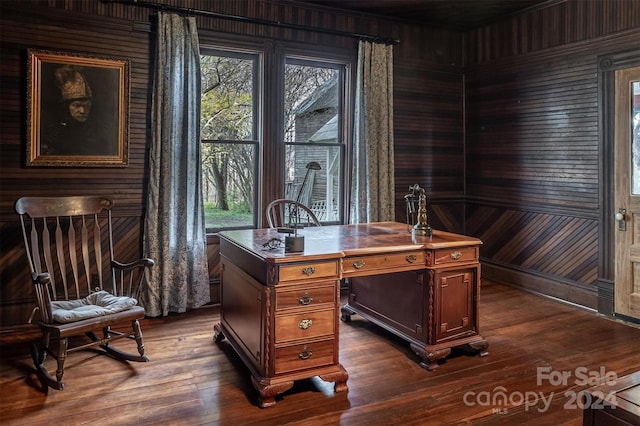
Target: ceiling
[{"x": 460, "y": 15}]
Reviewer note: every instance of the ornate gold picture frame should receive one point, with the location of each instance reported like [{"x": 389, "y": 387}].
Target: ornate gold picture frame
[{"x": 78, "y": 110}]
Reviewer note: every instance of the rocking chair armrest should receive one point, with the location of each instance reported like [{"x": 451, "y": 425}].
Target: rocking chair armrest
[
  {"x": 42, "y": 278},
  {"x": 144, "y": 262},
  {"x": 42, "y": 284}
]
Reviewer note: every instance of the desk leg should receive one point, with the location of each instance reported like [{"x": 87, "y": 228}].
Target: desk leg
[
  {"x": 346, "y": 313},
  {"x": 479, "y": 347},
  {"x": 430, "y": 358},
  {"x": 218, "y": 334},
  {"x": 339, "y": 378},
  {"x": 431, "y": 354},
  {"x": 269, "y": 388},
  {"x": 268, "y": 391}
]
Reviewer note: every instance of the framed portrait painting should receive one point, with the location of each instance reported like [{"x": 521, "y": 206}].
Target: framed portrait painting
[{"x": 78, "y": 109}]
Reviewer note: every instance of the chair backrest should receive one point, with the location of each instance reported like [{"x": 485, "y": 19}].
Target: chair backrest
[
  {"x": 284, "y": 213},
  {"x": 70, "y": 239}
]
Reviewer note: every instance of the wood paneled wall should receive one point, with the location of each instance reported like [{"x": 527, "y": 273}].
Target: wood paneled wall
[
  {"x": 429, "y": 139},
  {"x": 500, "y": 125},
  {"x": 428, "y": 100},
  {"x": 561, "y": 23},
  {"x": 534, "y": 171}
]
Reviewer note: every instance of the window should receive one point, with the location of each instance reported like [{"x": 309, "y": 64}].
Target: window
[
  {"x": 300, "y": 154},
  {"x": 228, "y": 130},
  {"x": 314, "y": 158}
]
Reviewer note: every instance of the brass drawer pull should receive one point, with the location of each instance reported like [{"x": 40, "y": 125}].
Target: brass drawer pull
[
  {"x": 305, "y": 354},
  {"x": 309, "y": 270},
  {"x": 359, "y": 264},
  {"x": 305, "y": 300},
  {"x": 304, "y": 324},
  {"x": 456, "y": 255},
  {"x": 411, "y": 258}
]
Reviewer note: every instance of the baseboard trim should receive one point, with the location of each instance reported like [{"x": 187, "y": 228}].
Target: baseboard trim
[{"x": 573, "y": 293}]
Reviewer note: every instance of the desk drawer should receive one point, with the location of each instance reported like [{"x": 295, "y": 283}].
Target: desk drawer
[
  {"x": 305, "y": 325},
  {"x": 303, "y": 356},
  {"x": 306, "y": 296},
  {"x": 309, "y": 271},
  {"x": 456, "y": 255},
  {"x": 363, "y": 264}
]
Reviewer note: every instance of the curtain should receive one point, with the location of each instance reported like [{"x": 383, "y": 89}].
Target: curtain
[
  {"x": 174, "y": 234},
  {"x": 373, "y": 194}
]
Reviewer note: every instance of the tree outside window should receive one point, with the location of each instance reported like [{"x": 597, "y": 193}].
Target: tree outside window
[{"x": 312, "y": 134}]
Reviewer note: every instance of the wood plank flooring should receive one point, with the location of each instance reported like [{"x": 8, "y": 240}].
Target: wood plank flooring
[{"x": 193, "y": 381}]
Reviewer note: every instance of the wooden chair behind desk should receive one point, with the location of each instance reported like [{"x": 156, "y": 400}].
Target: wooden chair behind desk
[{"x": 283, "y": 213}]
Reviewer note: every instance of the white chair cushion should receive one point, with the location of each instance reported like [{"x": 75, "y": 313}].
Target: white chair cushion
[{"x": 94, "y": 305}]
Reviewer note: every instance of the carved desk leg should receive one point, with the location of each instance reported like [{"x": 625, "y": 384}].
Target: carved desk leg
[
  {"x": 430, "y": 358},
  {"x": 218, "y": 334},
  {"x": 479, "y": 347},
  {"x": 268, "y": 391},
  {"x": 339, "y": 378}
]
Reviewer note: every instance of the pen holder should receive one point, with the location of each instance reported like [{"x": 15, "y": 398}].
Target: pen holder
[{"x": 294, "y": 244}]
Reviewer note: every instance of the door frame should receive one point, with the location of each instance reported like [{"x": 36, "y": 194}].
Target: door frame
[{"x": 607, "y": 65}]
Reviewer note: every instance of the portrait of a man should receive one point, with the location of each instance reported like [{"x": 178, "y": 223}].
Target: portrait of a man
[
  {"x": 77, "y": 113},
  {"x": 74, "y": 126}
]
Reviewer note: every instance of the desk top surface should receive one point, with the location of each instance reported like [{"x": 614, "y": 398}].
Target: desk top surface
[{"x": 337, "y": 241}]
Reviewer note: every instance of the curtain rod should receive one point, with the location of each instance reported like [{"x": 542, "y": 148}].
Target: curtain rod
[{"x": 189, "y": 11}]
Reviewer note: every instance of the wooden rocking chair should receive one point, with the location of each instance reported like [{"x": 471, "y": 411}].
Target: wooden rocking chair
[{"x": 80, "y": 288}]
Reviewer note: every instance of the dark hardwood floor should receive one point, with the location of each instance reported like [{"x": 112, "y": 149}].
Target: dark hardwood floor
[{"x": 193, "y": 381}]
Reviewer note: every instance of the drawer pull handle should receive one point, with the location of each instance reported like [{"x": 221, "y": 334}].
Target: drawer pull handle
[
  {"x": 456, "y": 255},
  {"x": 304, "y": 324},
  {"x": 309, "y": 270},
  {"x": 305, "y": 354},
  {"x": 305, "y": 300},
  {"x": 411, "y": 258},
  {"x": 359, "y": 264}
]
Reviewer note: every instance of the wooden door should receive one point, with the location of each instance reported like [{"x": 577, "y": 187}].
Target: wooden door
[{"x": 627, "y": 192}]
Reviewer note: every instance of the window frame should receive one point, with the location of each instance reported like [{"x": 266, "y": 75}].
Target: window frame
[
  {"x": 343, "y": 69},
  {"x": 257, "y": 140},
  {"x": 269, "y": 107}
]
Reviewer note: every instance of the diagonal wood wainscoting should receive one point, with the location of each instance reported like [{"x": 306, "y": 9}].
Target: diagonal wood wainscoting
[
  {"x": 547, "y": 253},
  {"x": 551, "y": 254}
]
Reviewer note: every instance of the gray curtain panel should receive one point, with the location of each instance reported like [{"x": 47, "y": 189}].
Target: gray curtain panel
[
  {"x": 373, "y": 193},
  {"x": 174, "y": 233}
]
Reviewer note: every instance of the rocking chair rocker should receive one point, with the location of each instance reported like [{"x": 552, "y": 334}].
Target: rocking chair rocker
[{"x": 69, "y": 246}]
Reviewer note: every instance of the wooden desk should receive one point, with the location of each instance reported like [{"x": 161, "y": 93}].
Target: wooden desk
[{"x": 280, "y": 311}]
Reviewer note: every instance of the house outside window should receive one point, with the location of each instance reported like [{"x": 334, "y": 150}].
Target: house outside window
[
  {"x": 309, "y": 139},
  {"x": 314, "y": 143}
]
